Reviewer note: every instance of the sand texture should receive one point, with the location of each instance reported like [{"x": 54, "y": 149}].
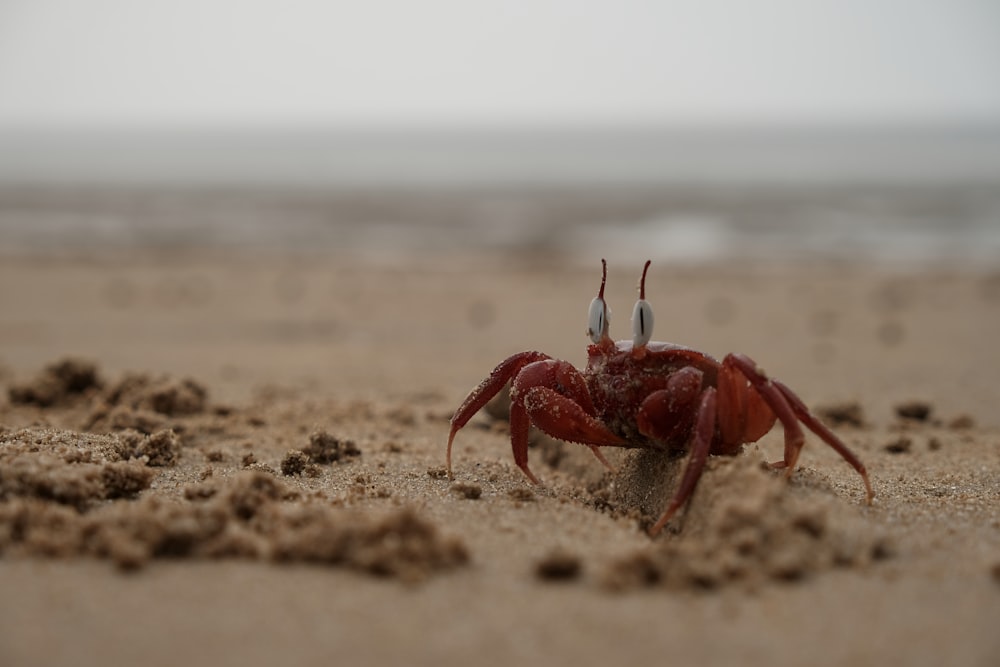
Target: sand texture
[{"x": 239, "y": 460}]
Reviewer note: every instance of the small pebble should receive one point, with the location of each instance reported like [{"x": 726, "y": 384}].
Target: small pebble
[
  {"x": 470, "y": 491},
  {"x": 900, "y": 446},
  {"x": 558, "y": 566},
  {"x": 916, "y": 410}
]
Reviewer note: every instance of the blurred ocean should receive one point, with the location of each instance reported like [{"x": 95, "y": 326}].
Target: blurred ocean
[{"x": 892, "y": 195}]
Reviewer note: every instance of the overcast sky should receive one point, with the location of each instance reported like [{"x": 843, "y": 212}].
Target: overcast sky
[{"x": 539, "y": 62}]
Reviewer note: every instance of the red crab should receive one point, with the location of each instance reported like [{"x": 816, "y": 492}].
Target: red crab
[{"x": 637, "y": 393}]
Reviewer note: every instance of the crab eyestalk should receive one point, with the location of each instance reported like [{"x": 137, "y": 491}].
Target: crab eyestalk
[
  {"x": 642, "y": 315},
  {"x": 597, "y": 317}
]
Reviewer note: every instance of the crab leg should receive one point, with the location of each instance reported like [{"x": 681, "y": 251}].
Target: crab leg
[
  {"x": 555, "y": 397},
  {"x": 744, "y": 413},
  {"x": 487, "y": 389},
  {"x": 794, "y": 437},
  {"x": 559, "y": 417},
  {"x": 790, "y": 410},
  {"x": 520, "y": 423},
  {"x": 703, "y": 434},
  {"x": 817, "y": 427},
  {"x": 669, "y": 414}
]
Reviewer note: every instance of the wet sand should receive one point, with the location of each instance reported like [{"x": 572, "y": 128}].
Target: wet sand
[{"x": 251, "y": 470}]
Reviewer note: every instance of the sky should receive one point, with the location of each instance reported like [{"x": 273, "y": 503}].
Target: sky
[{"x": 446, "y": 63}]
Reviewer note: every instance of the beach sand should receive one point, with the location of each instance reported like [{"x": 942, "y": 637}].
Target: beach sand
[{"x": 238, "y": 458}]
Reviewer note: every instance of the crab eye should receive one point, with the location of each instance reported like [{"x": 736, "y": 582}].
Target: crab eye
[
  {"x": 597, "y": 320},
  {"x": 597, "y": 317},
  {"x": 642, "y": 314},
  {"x": 642, "y": 323}
]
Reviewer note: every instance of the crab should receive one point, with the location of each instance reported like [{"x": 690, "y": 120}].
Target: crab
[{"x": 644, "y": 394}]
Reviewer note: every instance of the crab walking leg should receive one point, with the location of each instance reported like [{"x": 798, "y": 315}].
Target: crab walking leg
[
  {"x": 794, "y": 437},
  {"x": 777, "y": 393},
  {"x": 817, "y": 427},
  {"x": 596, "y": 451},
  {"x": 487, "y": 389},
  {"x": 519, "y": 425},
  {"x": 703, "y": 434}
]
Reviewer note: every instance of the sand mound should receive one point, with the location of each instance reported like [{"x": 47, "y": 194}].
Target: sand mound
[
  {"x": 144, "y": 403},
  {"x": 68, "y": 494},
  {"x": 247, "y": 516},
  {"x": 59, "y": 383},
  {"x": 745, "y": 524},
  {"x": 77, "y": 469}
]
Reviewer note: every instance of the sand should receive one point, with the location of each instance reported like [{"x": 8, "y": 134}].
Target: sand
[{"x": 239, "y": 459}]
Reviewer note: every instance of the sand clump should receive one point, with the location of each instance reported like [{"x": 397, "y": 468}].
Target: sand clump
[
  {"x": 849, "y": 413},
  {"x": 159, "y": 449},
  {"x": 247, "y": 516},
  {"x": 745, "y": 524},
  {"x": 323, "y": 448},
  {"x": 326, "y": 448},
  {"x": 59, "y": 383},
  {"x": 164, "y": 395},
  {"x": 918, "y": 411},
  {"x": 74, "y": 469},
  {"x": 559, "y": 565},
  {"x": 146, "y": 404},
  {"x": 69, "y": 494},
  {"x": 294, "y": 463},
  {"x": 467, "y": 490},
  {"x": 137, "y": 401}
]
